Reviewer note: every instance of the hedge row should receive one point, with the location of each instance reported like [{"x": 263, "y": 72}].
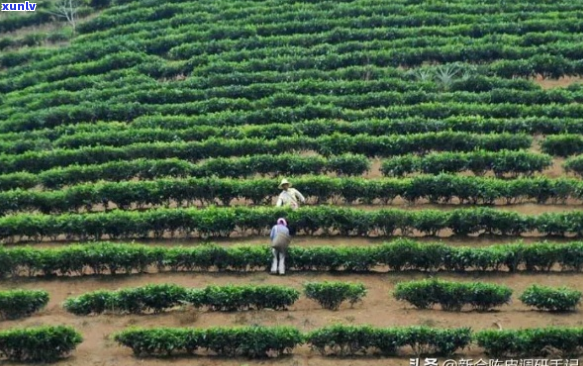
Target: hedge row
[
  {"x": 39, "y": 344},
  {"x": 529, "y": 342},
  {"x": 574, "y": 165},
  {"x": 259, "y": 342},
  {"x": 321, "y": 189},
  {"x": 552, "y": 299},
  {"x": 326, "y": 145},
  {"x": 235, "y": 112},
  {"x": 400, "y": 255},
  {"x": 350, "y": 340},
  {"x": 452, "y": 296},
  {"x": 115, "y": 133},
  {"x": 393, "y": 92},
  {"x": 513, "y": 163},
  {"x": 285, "y": 94},
  {"x": 16, "y": 304},
  {"x": 119, "y": 135},
  {"x": 563, "y": 145},
  {"x": 253, "y": 342},
  {"x": 507, "y": 62},
  {"x": 265, "y": 165},
  {"x": 158, "y": 298},
  {"x": 223, "y": 222}
]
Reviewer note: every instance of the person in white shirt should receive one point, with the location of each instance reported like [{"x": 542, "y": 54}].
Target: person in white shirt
[{"x": 289, "y": 196}]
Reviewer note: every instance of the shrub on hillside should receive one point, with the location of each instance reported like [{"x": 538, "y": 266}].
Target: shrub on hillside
[
  {"x": 16, "y": 304},
  {"x": 331, "y": 294},
  {"x": 452, "y": 296},
  {"x": 41, "y": 344},
  {"x": 560, "y": 299}
]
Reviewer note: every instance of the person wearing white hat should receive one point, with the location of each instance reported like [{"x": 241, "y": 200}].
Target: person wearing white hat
[{"x": 289, "y": 196}]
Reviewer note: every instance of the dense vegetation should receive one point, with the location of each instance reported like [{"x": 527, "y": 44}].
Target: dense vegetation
[
  {"x": 140, "y": 120},
  {"x": 399, "y": 255}
]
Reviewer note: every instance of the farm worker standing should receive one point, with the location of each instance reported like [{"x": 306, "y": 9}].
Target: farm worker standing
[
  {"x": 289, "y": 196},
  {"x": 280, "y": 241}
]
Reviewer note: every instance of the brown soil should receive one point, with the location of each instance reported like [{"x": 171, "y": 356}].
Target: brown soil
[
  {"x": 559, "y": 83},
  {"x": 377, "y": 309}
]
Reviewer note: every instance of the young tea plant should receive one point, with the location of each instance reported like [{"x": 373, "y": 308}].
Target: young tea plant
[
  {"x": 452, "y": 296},
  {"x": 331, "y": 294},
  {"x": 560, "y": 299},
  {"x": 16, "y": 304}
]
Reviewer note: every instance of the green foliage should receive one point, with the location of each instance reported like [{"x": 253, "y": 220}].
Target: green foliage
[
  {"x": 399, "y": 255},
  {"x": 252, "y": 342},
  {"x": 16, "y": 304},
  {"x": 41, "y": 344},
  {"x": 331, "y": 294},
  {"x": 560, "y": 299},
  {"x": 563, "y": 145},
  {"x": 574, "y": 165},
  {"x": 222, "y": 222},
  {"x": 442, "y": 188},
  {"x": 234, "y": 298},
  {"x": 193, "y": 151},
  {"x": 501, "y": 163},
  {"x": 531, "y": 342},
  {"x": 352, "y": 340},
  {"x": 158, "y": 298},
  {"x": 452, "y": 296}
]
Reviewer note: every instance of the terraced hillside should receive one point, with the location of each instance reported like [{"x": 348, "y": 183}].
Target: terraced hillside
[{"x": 430, "y": 138}]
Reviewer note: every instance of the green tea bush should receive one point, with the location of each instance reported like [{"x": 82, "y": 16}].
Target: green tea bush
[
  {"x": 252, "y": 342},
  {"x": 41, "y": 344},
  {"x": 533, "y": 342},
  {"x": 560, "y": 299},
  {"x": 452, "y": 296},
  {"x": 16, "y": 304},
  {"x": 224, "y": 221},
  {"x": 350, "y": 340},
  {"x": 162, "y": 297},
  {"x": 397, "y": 255},
  {"x": 442, "y": 188},
  {"x": 331, "y": 294}
]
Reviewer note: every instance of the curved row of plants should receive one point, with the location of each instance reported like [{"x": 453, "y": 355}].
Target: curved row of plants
[
  {"x": 115, "y": 133},
  {"x": 397, "y": 88},
  {"x": 120, "y": 134},
  {"x": 556, "y": 61},
  {"x": 453, "y": 296},
  {"x": 404, "y": 16},
  {"x": 350, "y": 340},
  {"x": 194, "y": 151},
  {"x": 16, "y": 304},
  {"x": 348, "y": 80},
  {"x": 319, "y": 189},
  {"x": 501, "y": 163},
  {"x": 38, "y": 344},
  {"x": 236, "y": 112},
  {"x": 563, "y": 145},
  {"x": 51, "y": 343},
  {"x": 574, "y": 165},
  {"x": 505, "y": 62},
  {"x": 353, "y": 95},
  {"x": 117, "y": 171},
  {"x": 158, "y": 298},
  {"x": 223, "y": 222},
  {"x": 399, "y": 255}
]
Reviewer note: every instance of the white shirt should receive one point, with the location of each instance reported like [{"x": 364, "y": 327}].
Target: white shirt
[{"x": 290, "y": 197}]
